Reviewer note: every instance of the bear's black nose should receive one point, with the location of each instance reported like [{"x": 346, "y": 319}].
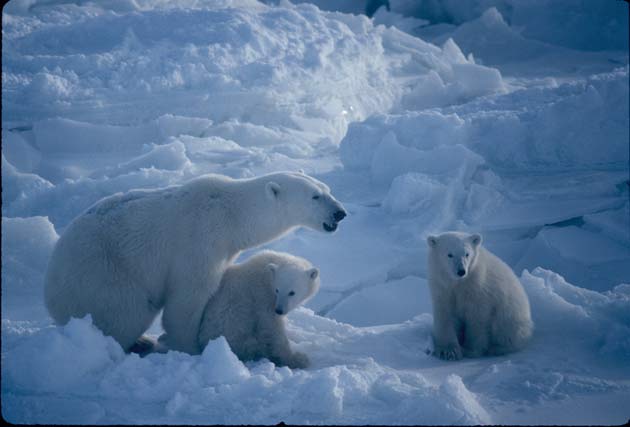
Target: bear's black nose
[
  {"x": 278, "y": 311},
  {"x": 339, "y": 215},
  {"x": 461, "y": 273}
]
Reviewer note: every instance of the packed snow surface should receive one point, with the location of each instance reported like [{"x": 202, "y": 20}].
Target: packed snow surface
[{"x": 504, "y": 117}]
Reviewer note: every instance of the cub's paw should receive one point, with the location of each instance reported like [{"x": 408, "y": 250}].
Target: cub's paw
[
  {"x": 298, "y": 360},
  {"x": 448, "y": 352}
]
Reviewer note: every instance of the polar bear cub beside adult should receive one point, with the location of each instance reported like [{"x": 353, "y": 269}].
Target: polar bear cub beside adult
[
  {"x": 250, "y": 305},
  {"x": 132, "y": 254},
  {"x": 479, "y": 305}
]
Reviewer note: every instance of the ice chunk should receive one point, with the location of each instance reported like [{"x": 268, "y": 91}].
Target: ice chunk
[
  {"x": 19, "y": 152},
  {"x": 586, "y": 258},
  {"x": 70, "y": 136},
  {"x": 26, "y": 246},
  {"x": 218, "y": 365},
  {"x": 392, "y": 159},
  {"x": 588, "y": 319},
  {"x": 414, "y": 192},
  {"x": 472, "y": 412},
  {"x": 28, "y": 240},
  {"x": 18, "y": 185},
  {"x": 171, "y": 125},
  {"x": 614, "y": 223},
  {"x": 165, "y": 157}
]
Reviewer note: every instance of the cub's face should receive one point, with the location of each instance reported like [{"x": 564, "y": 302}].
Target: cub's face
[
  {"x": 455, "y": 252},
  {"x": 306, "y": 201},
  {"x": 293, "y": 285}
]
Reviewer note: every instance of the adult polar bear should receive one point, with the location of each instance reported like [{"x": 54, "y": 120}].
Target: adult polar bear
[{"x": 132, "y": 254}]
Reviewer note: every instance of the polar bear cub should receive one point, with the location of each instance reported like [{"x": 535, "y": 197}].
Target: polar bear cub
[
  {"x": 479, "y": 306},
  {"x": 250, "y": 305}
]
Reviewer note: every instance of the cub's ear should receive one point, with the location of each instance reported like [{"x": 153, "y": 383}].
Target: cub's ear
[
  {"x": 273, "y": 189},
  {"x": 432, "y": 241},
  {"x": 476, "y": 239},
  {"x": 313, "y": 273},
  {"x": 271, "y": 270}
]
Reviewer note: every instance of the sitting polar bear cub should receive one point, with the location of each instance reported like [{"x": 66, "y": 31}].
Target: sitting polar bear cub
[
  {"x": 479, "y": 306},
  {"x": 250, "y": 305}
]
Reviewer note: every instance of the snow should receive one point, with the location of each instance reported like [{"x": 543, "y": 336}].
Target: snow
[{"x": 505, "y": 117}]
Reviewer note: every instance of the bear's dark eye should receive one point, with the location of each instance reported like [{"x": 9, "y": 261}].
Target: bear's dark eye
[
  {"x": 291, "y": 293},
  {"x": 466, "y": 254},
  {"x": 276, "y": 291},
  {"x": 450, "y": 255},
  {"x": 316, "y": 197}
]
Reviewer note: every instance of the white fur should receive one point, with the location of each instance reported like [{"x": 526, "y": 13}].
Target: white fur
[
  {"x": 250, "y": 306},
  {"x": 483, "y": 310},
  {"x": 132, "y": 254}
]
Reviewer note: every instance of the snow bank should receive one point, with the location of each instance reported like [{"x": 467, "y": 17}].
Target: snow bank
[
  {"x": 454, "y": 158},
  {"x": 247, "y": 65},
  {"x": 215, "y": 386},
  {"x": 359, "y": 375}
]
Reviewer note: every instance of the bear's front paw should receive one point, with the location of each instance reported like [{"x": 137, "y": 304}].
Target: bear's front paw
[
  {"x": 298, "y": 361},
  {"x": 448, "y": 352}
]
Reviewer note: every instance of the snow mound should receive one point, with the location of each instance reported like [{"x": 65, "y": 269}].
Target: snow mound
[
  {"x": 580, "y": 316},
  {"x": 252, "y": 62},
  {"x": 359, "y": 374},
  {"x": 60, "y": 359}
]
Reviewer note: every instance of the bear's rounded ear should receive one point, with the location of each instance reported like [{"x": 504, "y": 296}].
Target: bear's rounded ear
[
  {"x": 432, "y": 241},
  {"x": 313, "y": 273},
  {"x": 271, "y": 269},
  {"x": 273, "y": 189},
  {"x": 476, "y": 239}
]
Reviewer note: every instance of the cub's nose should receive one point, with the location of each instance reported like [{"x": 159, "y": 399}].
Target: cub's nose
[
  {"x": 461, "y": 273},
  {"x": 339, "y": 215}
]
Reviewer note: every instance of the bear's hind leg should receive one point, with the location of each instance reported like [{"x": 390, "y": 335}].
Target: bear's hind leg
[
  {"x": 125, "y": 313},
  {"x": 510, "y": 339}
]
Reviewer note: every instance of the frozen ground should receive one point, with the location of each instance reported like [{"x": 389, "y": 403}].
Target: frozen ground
[{"x": 484, "y": 116}]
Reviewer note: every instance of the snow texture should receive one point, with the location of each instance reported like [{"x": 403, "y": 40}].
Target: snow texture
[{"x": 504, "y": 117}]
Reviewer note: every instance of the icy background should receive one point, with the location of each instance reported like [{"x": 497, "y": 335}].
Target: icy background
[{"x": 506, "y": 117}]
